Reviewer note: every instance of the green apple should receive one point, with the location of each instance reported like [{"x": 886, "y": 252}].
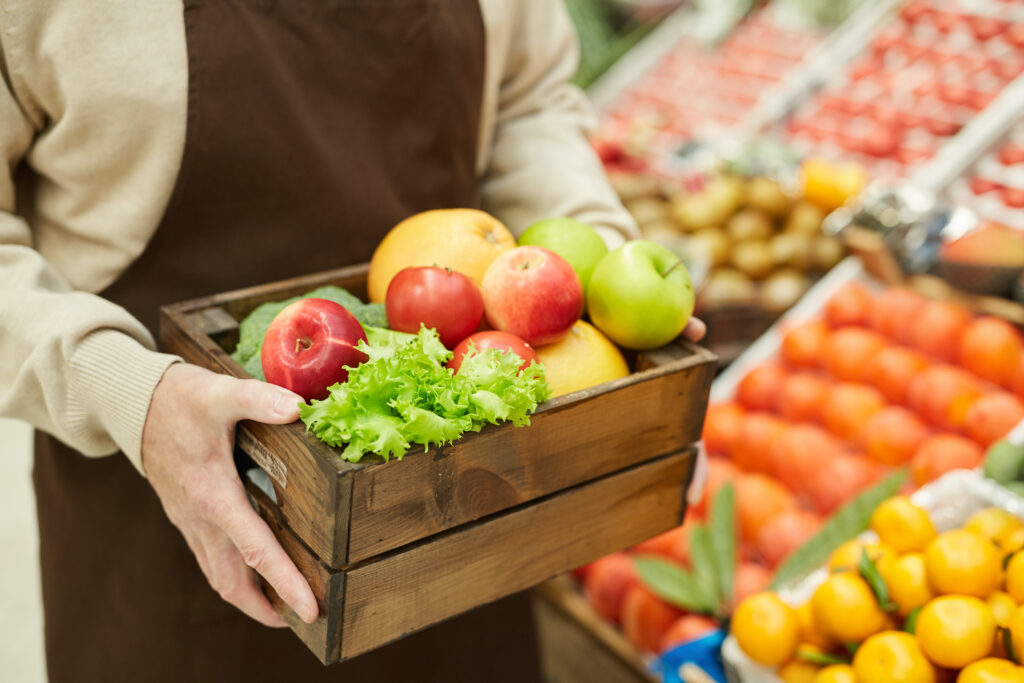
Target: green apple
[
  {"x": 576, "y": 242},
  {"x": 640, "y": 295}
]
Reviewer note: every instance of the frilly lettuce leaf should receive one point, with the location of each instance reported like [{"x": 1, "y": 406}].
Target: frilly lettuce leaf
[{"x": 403, "y": 395}]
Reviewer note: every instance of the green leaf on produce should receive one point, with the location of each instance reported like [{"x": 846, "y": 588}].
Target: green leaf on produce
[
  {"x": 704, "y": 567},
  {"x": 403, "y": 395},
  {"x": 910, "y": 623},
  {"x": 849, "y": 521},
  {"x": 673, "y": 584},
  {"x": 822, "y": 658},
  {"x": 722, "y": 531},
  {"x": 253, "y": 328},
  {"x": 869, "y": 572},
  {"x": 1011, "y": 651},
  {"x": 1004, "y": 462}
]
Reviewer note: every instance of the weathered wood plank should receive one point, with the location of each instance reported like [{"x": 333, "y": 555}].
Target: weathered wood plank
[
  {"x": 401, "y": 502},
  {"x": 415, "y": 587},
  {"x": 577, "y": 645},
  {"x": 329, "y": 587}
]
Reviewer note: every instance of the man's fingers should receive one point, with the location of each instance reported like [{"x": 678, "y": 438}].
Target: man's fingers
[
  {"x": 236, "y": 583},
  {"x": 695, "y": 329},
  {"x": 250, "y": 399},
  {"x": 259, "y": 550}
]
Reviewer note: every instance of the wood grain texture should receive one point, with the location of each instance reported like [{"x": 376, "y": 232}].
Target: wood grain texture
[
  {"x": 578, "y": 645},
  {"x": 329, "y": 587},
  {"x": 418, "y": 586},
  {"x": 373, "y": 603},
  {"x": 651, "y": 413}
]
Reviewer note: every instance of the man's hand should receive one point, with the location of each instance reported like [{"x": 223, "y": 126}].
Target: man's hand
[{"x": 187, "y": 454}]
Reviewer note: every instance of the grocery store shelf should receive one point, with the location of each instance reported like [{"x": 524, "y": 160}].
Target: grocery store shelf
[{"x": 976, "y": 138}]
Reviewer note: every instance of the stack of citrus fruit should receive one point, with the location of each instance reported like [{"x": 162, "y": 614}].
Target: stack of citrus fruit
[
  {"x": 880, "y": 380},
  {"x": 915, "y": 606}
]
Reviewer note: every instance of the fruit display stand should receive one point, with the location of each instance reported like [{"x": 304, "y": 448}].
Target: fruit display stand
[
  {"x": 391, "y": 548},
  {"x": 949, "y": 502},
  {"x": 970, "y": 185},
  {"x": 919, "y": 77}
]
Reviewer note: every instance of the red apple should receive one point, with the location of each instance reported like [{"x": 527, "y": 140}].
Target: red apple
[
  {"x": 493, "y": 339},
  {"x": 533, "y": 293},
  {"x": 308, "y": 346}
]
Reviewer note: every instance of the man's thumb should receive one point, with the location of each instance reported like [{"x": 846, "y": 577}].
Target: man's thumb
[{"x": 263, "y": 402}]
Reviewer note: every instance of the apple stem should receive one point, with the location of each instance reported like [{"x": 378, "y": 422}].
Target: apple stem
[
  {"x": 673, "y": 267},
  {"x": 303, "y": 344}
]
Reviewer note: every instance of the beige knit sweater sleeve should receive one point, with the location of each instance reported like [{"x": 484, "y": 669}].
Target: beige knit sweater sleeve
[
  {"x": 537, "y": 160},
  {"x": 83, "y": 183}
]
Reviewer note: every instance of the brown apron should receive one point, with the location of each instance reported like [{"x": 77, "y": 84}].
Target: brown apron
[{"x": 313, "y": 127}]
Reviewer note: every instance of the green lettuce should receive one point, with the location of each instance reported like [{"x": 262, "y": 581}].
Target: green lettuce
[
  {"x": 404, "y": 396},
  {"x": 253, "y": 329}
]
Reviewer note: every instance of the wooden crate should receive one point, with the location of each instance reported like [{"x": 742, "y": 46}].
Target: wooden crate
[
  {"x": 576, "y": 644},
  {"x": 353, "y": 528}
]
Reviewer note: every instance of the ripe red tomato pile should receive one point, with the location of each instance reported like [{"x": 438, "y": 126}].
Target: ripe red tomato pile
[
  {"x": 922, "y": 79},
  {"x": 995, "y": 189},
  {"x": 730, "y": 80}
]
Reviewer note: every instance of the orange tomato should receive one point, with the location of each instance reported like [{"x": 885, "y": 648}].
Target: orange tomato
[
  {"x": 721, "y": 427},
  {"x": 1017, "y": 379},
  {"x": 850, "y": 305},
  {"x": 892, "y": 370},
  {"x": 802, "y": 397},
  {"x": 991, "y": 417},
  {"x": 990, "y": 348},
  {"x": 799, "y": 453},
  {"x": 758, "y": 434},
  {"x": 849, "y": 408},
  {"x": 607, "y": 582},
  {"x": 840, "y": 478},
  {"x": 646, "y": 618},
  {"x": 720, "y": 472},
  {"x": 941, "y": 453},
  {"x": 849, "y": 352},
  {"x": 942, "y": 394},
  {"x": 937, "y": 329},
  {"x": 664, "y": 544},
  {"x": 892, "y": 436},
  {"x": 784, "y": 533},
  {"x": 802, "y": 344},
  {"x": 684, "y": 629},
  {"x": 894, "y": 312},
  {"x": 759, "y": 499},
  {"x": 751, "y": 578},
  {"x": 759, "y": 388}
]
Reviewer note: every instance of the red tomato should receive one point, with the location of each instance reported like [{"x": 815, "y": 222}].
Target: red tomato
[
  {"x": 1015, "y": 34},
  {"x": 493, "y": 339},
  {"x": 986, "y": 27},
  {"x": 435, "y": 297},
  {"x": 1011, "y": 154},
  {"x": 1013, "y": 197},
  {"x": 981, "y": 185},
  {"x": 942, "y": 128}
]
